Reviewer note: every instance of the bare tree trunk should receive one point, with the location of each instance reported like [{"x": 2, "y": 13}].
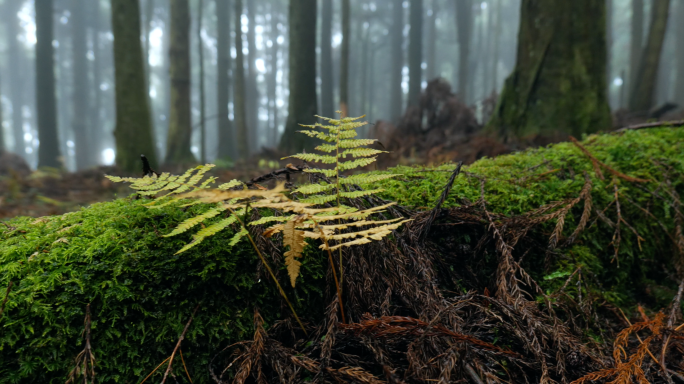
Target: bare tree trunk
[
  {"x": 365, "y": 42},
  {"x": 252, "y": 92},
  {"x": 497, "y": 34},
  {"x": 149, "y": 12},
  {"x": 644, "y": 90},
  {"x": 95, "y": 129},
  {"x": 636, "y": 46},
  {"x": 239, "y": 91},
  {"x": 302, "y": 78},
  {"x": 48, "y": 151},
  {"x": 180, "y": 121},
  {"x": 344, "y": 59},
  {"x": 431, "y": 59},
  {"x": 464, "y": 26},
  {"x": 16, "y": 83},
  {"x": 226, "y": 135},
  {"x": 326, "y": 71},
  {"x": 397, "y": 39},
  {"x": 561, "y": 57},
  {"x": 679, "y": 49},
  {"x": 200, "y": 55},
  {"x": 133, "y": 132},
  {"x": 415, "y": 52},
  {"x": 2, "y": 127},
  {"x": 79, "y": 95},
  {"x": 273, "y": 78}
]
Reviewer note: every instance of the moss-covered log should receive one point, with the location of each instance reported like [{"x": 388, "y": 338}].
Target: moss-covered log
[
  {"x": 113, "y": 256},
  {"x": 558, "y": 84}
]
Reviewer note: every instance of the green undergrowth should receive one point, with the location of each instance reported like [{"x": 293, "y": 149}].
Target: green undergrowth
[{"x": 112, "y": 256}]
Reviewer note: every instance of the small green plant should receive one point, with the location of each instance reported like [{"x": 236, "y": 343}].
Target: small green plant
[{"x": 335, "y": 226}]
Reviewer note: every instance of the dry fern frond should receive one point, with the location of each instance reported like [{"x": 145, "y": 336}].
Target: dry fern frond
[{"x": 294, "y": 238}]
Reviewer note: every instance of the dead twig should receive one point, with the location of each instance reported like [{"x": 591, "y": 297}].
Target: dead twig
[
  {"x": 180, "y": 339},
  {"x": 656, "y": 124},
  {"x": 85, "y": 357},
  {"x": 604, "y": 165}
]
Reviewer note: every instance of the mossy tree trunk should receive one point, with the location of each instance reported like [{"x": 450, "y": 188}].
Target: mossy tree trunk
[
  {"x": 344, "y": 57},
  {"x": 326, "y": 71},
  {"x": 239, "y": 91},
  {"x": 180, "y": 123},
  {"x": 558, "y": 86},
  {"x": 46, "y": 108},
  {"x": 464, "y": 29},
  {"x": 415, "y": 52},
  {"x": 643, "y": 92},
  {"x": 79, "y": 92},
  {"x": 226, "y": 135},
  {"x": 397, "y": 39},
  {"x": 302, "y": 77},
  {"x": 133, "y": 131}
]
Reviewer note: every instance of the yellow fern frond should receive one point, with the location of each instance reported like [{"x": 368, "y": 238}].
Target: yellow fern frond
[
  {"x": 319, "y": 199},
  {"x": 361, "y": 152},
  {"x": 231, "y": 184},
  {"x": 355, "y": 143},
  {"x": 327, "y": 148},
  {"x": 364, "y": 237},
  {"x": 347, "y": 134},
  {"x": 209, "y": 231},
  {"x": 294, "y": 238},
  {"x": 315, "y": 158},
  {"x": 355, "y": 194},
  {"x": 357, "y": 163},
  {"x": 326, "y": 172},
  {"x": 193, "y": 221},
  {"x": 365, "y": 179},
  {"x": 318, "y": 135},
  {"x": 237, "y": 237},
  {"x": 314, "y": 188}
]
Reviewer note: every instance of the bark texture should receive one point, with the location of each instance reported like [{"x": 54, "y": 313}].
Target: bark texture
[
  {"x": 558, "y": 85},
  {"x": 239, "y": 91},
  {"x": 200, "y": 57},
  {"x": 273, "y": 75},
  {"x": 180, "y": 121},
  {"x": 344, "y": 58},
  {"x": 252, "y": 92},
  {"x": 302, "y": 77},
  {"x": 643, "y": 92},
  {"x": 679, "y": 41},
  {"x": 415, "y": 51},
  {"x": 326, "y": 71},
  {"x": 133, "y": 131},
  {"x": 46, "y": 108},
  {"x": 15, "y": 62},
  {"x": 397, "y": 39},
  {"x": 464, "y": 30},
  {"x": 226, "y": 135}
]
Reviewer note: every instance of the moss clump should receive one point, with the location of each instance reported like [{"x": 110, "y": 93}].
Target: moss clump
[{"x": 113, "y": 256}]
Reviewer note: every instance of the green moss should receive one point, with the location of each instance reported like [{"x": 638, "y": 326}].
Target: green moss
[{"x": 112, "y": 255}]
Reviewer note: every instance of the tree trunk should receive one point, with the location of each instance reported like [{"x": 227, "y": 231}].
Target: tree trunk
[
  {"x": 326, "y": 71},
  {"x": 344, "y": 58},
  {"x": 95, "y": 129},
  {"x": 200, "y": 56},
  {"x": 302, "y": 77},
  {"x": 397, "y": 39},
  {"x": 149, "y": 12},
  {"x": 679, "y": 41},
  {"x": 415, "y": 52},
  {"x": 226, "y": 136},
  {"x": 636, "y": 44},
  {"x": 239, "y": 92},
  {"x": 558, "y": 85},
  {"x": 273, "y": 76},
  {"x": 180, "y": 121},
  {"x": 81, "y": 86},
  {"x": 252, "y": 92},
  {"x": 644, "y": 90},
  {"x": 2, "y": 126},
  {"x": 133, "y": 131},
  {"x": 431, "y": 59},
  {"x": 495, "y": 60},
  {"x": 15, "y": 65},
  {"x": 464, "y": 27},
  {"x": 46, "y": 109}
]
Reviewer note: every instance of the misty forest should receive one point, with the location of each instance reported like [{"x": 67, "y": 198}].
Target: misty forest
[{"x": 341, "y": 191}]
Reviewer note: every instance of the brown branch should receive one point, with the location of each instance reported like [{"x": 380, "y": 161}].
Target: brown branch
[
  {"x": 180, "y": 339},
  {"x": 599, "y": 162},
  {"x": 676, "y": 304},
  {"x": 9, "y": 288},
  {"x": 287, "y": 171},
  {"x": 652, "y": 125}
]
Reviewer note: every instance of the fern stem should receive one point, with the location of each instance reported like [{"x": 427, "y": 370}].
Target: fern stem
[
  {"x": 337, "y": 174},
  {"x": 332, "y": 266},
  {"x": 270, "y": 271}
]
